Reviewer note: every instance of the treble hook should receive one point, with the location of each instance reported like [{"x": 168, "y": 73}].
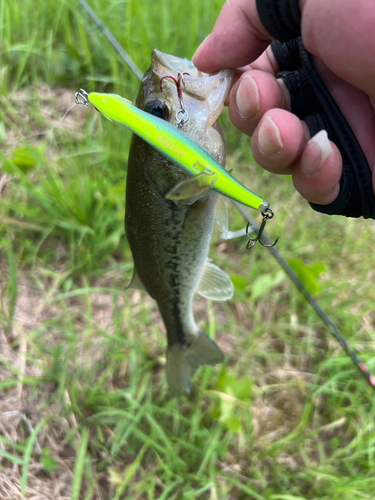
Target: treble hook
[
  {"x": 267, "y": 215},
  {"x": 182, "y": 116}
]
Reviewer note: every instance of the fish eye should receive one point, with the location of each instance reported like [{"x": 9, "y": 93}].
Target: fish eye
[{"x": 158, "y": 108}]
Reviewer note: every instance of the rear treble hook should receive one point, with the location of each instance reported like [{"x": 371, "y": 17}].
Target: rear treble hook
[{"x": 267, "y": 215}]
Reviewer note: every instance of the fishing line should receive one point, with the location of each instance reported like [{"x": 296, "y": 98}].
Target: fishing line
[
  {"x": 66, "y": 112},
  {"x": 55, "y": 126},
  {"x": 289, "y": 271}
]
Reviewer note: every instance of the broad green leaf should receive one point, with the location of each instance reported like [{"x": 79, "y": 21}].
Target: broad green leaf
[
  {"x": 24, "y": 158},
  {"x": 48, "y": 463},
  {"x": 317, "y": 268},
  {"x": 242, "y": 388},
  {"x": 239, "y": 388},
  {"x": 307, "y": 274},
  {"x": 265, "y": 283},
  {"x": 231, "y": 422},
  {"x": 238, "y": 282},
  {"x": 226, "y": 382}
]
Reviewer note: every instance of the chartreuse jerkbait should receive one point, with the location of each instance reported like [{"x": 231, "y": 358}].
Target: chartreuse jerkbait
[{"x": 177, "y": 146}]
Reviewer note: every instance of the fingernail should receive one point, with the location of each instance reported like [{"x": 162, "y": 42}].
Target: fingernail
[
  {"x": 269, "y": 139},
  {"x": 319, "y": 150},
  {"x": 247, "y": 97},
  {"x": 199, "y": 48}
]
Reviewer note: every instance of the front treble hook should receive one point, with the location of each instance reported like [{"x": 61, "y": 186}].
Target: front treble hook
[
  {"x": 182, "y": 116},
  {"x": 267, "y": 215}
]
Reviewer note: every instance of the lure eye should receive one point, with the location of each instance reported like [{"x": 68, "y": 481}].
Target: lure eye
[{"x": 158, "y": 108}]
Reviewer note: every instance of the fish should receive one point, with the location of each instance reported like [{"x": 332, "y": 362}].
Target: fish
[
  {"x": 169, "y": 238},
  {"x": 173, "y": 181}
]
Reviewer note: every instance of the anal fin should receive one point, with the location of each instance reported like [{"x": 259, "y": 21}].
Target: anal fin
[{"x": 215, "y": 284}]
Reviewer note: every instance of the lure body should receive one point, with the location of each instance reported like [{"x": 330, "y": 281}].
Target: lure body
[{"x": 175, "y": 145}]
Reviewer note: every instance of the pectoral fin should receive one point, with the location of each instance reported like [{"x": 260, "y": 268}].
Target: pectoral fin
[
  {"x": 221, "y": 216},
  {"x": 215, "y": 284},
  {"x": 190, "y": 190},
  {"x": 136, "y": 282}
]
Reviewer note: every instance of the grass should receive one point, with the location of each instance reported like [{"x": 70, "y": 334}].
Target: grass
[{"x": 84, "y": 410}]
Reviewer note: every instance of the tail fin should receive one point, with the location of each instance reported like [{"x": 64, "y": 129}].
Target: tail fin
[{"x": 183, "y": 363}]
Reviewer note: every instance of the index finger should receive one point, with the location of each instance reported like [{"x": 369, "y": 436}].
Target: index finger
[{"x": 237, "y": 39}]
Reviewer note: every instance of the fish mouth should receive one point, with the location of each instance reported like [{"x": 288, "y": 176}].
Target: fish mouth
[
  {"x": 176, "y": 64},
  {"x": 198, "y": 85}
]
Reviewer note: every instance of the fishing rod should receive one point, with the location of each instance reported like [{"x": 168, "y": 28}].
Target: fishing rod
[
  {"x": 112, "y": 40},
  {"x": 275, "y": 253}
]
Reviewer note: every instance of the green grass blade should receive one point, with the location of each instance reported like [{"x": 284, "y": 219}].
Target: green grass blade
[
  {"x": 80, "y": 464},
  {"x": 130, "y": 471},
  {"x": 27, "y": 455},
  {"x": 12, "y": 286}
]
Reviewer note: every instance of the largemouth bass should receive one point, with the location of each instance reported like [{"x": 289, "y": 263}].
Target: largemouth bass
[{"x": 169, "y": 239}]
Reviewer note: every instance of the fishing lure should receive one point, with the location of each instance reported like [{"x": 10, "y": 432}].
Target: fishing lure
[{"x": 175, "y": 145}]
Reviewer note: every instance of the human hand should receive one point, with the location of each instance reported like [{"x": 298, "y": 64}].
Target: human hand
[{"x": 339, "y": 34}]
